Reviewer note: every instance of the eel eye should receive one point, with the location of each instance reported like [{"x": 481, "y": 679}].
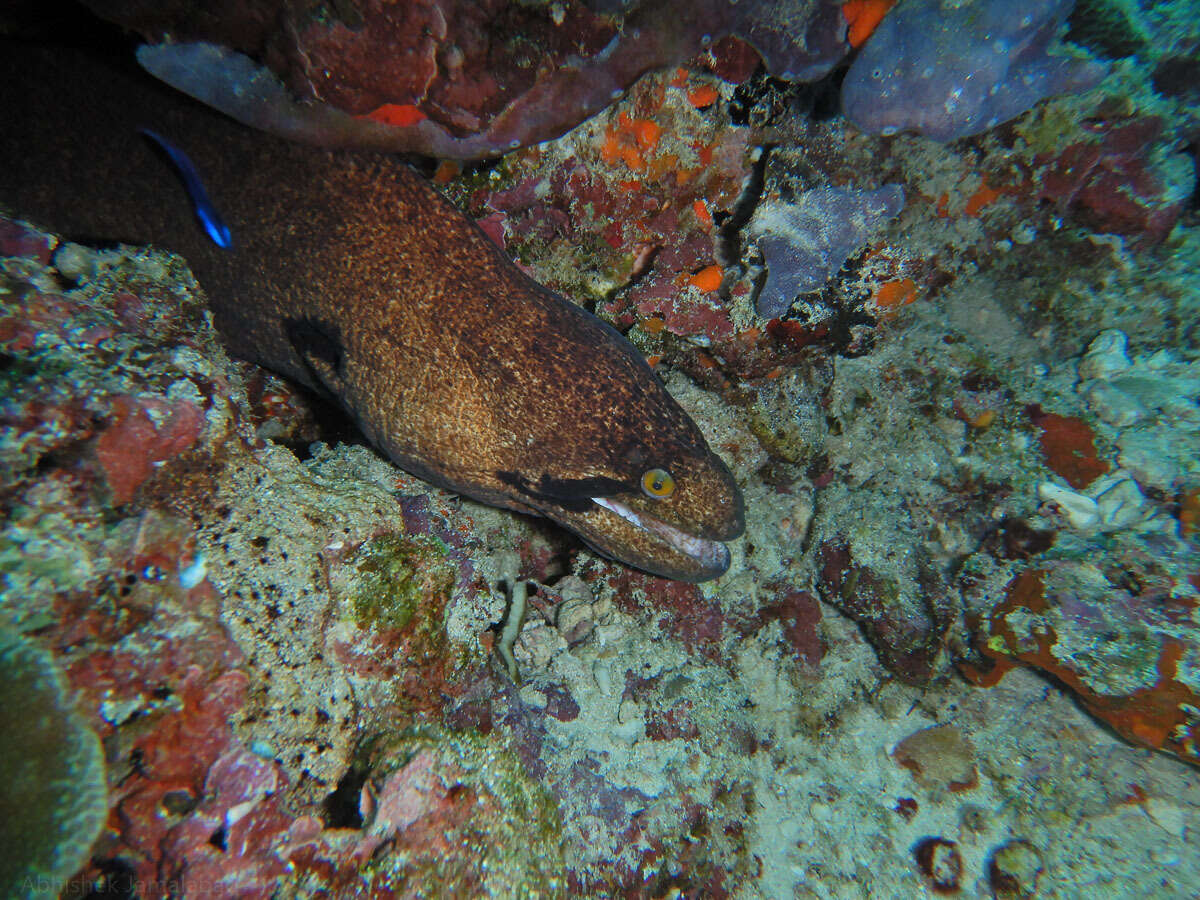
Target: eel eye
[{"x": 658, "y": 483}]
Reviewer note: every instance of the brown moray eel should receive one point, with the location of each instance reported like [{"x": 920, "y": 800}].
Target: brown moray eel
[{"x": 353, "y": 277}]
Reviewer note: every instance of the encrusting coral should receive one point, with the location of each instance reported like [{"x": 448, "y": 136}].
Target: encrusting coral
[{"x": 53, "y": 797}]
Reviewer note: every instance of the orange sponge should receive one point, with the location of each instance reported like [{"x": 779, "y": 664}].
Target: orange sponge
[{"x": 862, "y": 16}]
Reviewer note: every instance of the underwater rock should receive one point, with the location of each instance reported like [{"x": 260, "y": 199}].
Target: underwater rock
[
  {"x": 940, "y": 758},
  {"x": 255, "y": 96},
  {"x": 940, "y": 862},
  {"x": 901, "y": 610},
  {"x": 431, "y": 806},
  {"x": 1106, "y": 356},
  {"x": 1014, "y": 870},
  {"x": 444, "y": 77},
  {"x": 441, "y": 77},
  {"x": 450, "y": 78},
  {"x": 1112, "y": 503},
  {"x": 53, "y": 797},
  {"x": 951, "y": 70},
  {"x": 391, "y": 593},
  {"x": 1080, "y": 511},
  {"x": 804, "y": 243},
  {"x": 798, "y": 40}
]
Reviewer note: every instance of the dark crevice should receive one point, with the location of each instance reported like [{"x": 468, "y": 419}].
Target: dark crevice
[
  {"x": 729, "y": 234},
  {"x": 341, "y": 807}
]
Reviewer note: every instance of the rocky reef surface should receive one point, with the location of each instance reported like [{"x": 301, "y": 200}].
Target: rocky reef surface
[{"x": 955, "y": 653}]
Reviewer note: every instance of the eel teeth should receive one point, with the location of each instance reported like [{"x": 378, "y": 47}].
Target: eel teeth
[{"x": 708, "y": 553}]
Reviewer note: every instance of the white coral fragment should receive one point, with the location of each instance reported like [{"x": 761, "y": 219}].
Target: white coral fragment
[
  {"x": 1113, "y": 503},
  {"x": 1107, "y": 356},
  {"x": 1122, "y": 506},
  {"x": 1081, "y": 512}
]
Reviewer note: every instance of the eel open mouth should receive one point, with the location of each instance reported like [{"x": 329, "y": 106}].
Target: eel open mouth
[{"x": 711, "y": 556}]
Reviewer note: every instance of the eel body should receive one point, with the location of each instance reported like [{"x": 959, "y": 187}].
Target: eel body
[{"x": 353, "y": 277}]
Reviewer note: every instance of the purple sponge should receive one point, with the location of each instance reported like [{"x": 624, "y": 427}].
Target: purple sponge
[
  {"x": 950, "y": 70},
  {"x": 805, "y": 243}
]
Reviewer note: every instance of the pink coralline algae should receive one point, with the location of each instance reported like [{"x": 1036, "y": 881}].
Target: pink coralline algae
[
  {"x": 799, "y": 616},
  {"x": 194, "y": 813},
  {"x": 805, "y": 243},
  {"x": 196, "y": 809},
  {"x": 949, "y": 71},
  {"x": 1115, "y": 182},
  {"x": 134, "y": 444},
  {"x": 681, "y": 610}
]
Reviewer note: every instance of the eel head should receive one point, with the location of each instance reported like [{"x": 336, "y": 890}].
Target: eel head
[{"x": 665, "y": 512}]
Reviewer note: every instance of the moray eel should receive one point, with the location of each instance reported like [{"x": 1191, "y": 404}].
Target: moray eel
[{"x": 353, "y": 277}]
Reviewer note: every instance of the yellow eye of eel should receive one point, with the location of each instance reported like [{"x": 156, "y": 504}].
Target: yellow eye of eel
[{"x": 658, "y": 483}]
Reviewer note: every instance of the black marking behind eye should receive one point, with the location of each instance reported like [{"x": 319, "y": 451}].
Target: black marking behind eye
[
  {"x": 319, "y": 344},
  {"x": 569, "y": 493}
]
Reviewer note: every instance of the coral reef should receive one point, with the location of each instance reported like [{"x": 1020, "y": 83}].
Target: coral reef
[
  {"x": 955, "y": 652},
  {"x": 195, "y": 618},
  {"x": 1113, "y": 180},
  {"x": 1120, "y": 634},
  {"x": 1127, "y": 656},
  {"x": 1150, "y": 403},
  {"x": 638, "y": 215}
]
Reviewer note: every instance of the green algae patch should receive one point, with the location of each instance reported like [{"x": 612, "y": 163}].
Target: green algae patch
[
  {"x": 395, "y": 576},
  {"x": 53, "y": 797}
]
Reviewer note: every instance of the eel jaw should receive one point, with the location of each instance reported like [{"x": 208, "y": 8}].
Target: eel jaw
[{"x": 712, "y": 557}]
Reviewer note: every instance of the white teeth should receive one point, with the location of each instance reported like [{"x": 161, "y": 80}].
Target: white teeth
[{"x": 711, "y": 554}]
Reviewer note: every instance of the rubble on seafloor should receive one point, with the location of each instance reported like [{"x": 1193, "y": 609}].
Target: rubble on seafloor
[{"x": 955, "y": 652}]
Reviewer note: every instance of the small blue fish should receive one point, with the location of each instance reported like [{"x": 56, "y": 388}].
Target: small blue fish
[{"x": 213, "y": 224}]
